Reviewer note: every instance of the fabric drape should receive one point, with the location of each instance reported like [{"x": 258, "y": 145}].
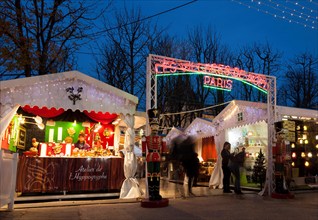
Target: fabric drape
[
  {"x": 217, "y": 174},
  {"x": 103, "y": 118},
  {"x": 130, "y": 188},
  {"x": 208, "y": 148},
  {"x": 6, "y": 117},
  {"x": 43, "y": 112}
]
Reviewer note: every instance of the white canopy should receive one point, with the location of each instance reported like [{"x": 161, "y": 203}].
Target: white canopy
[
  {"x": 201, "y": 127},
  {"x": 50, "y": 91}
]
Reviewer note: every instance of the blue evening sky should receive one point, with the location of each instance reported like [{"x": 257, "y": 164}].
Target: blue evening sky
[{"x": 238, "y": 24}]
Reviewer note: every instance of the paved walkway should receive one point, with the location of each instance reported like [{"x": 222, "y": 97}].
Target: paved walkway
[{"x": 208, "y": 204}]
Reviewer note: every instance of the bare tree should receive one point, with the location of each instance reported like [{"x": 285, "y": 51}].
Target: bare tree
[
  {"x": 262, "y": 59},
  {"x": 207, "y": 47},
  {"x": 300, "y": 88},
  {"x": 41, "y": 35},
  {"x": 127, "y": 45},
  {"x": 175, "y": 93}
]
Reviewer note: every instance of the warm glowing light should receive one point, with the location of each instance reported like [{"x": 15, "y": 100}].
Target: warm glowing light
[
  {"x": 309, "y": 154},
  {"x": 316, "y": 137},
  {"x": 307, "y": 164},
  {"x": 293, "y": 155},
  {"x": 303, "y": 154},
  {"x": 301, "y": 141},
  {"x": 97, "y": 127},
  {"x": 305, "y": 128},
  {"x": 38, "y": 119},
  {"x": 293, "y": 164},
  {"x": 292, "y": 145},
  {"x": 306, "y": 141},
  {"x": 217, "y": 82},
  {"x": 317, "y": 146},
  {"x": 166, "y": 65},
  {"x": 304, "y": 136}
]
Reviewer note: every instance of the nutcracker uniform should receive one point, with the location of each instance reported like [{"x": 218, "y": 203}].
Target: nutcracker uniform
[{"x": 154, "y": 145}]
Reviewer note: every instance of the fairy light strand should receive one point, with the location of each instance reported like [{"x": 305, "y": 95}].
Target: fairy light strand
[
  {"x": 282, "y": 13},
  {"x": 303, "y": 7},
  {"x": 196, "y": 110},
  {"x": 292, "y": 12}
]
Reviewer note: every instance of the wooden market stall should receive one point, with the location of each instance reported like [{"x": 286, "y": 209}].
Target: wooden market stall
[{"x": 56, "y": 108}]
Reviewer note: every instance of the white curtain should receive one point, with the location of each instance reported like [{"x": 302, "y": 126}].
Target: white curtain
[
  {"x": 217, "y": 174},
  {"x": 7, "y": 114},
  {"x": 130, "y": 188}
]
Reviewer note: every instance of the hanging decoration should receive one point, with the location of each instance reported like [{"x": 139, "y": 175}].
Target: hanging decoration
[{"x": 74, "y": 97}]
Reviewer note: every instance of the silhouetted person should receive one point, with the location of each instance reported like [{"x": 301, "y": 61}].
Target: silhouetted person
[
  {"x": 236, "y": 161},
  {"x": 226, "y": 154}
]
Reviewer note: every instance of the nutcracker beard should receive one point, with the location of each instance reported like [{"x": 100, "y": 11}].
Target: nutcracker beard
[{"x": 153, "y": 177}]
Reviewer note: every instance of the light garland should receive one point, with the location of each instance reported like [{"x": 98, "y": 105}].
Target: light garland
[
  {"x": 197, "y": 110},
  {"x": 287, "y": 10}
]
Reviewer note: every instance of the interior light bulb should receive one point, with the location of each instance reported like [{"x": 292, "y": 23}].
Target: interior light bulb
[{"x": 38, "y": 119}]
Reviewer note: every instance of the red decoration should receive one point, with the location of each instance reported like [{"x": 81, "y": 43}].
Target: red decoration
[
  {"x": 43, "y": 112},
  {"x": 103, "y": 118}
]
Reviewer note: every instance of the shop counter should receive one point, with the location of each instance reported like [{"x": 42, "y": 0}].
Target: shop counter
[{"x": 69, "y": 174}]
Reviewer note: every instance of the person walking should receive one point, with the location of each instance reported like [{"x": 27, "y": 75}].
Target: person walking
[
  {"x": 236, "y": 161},
  {"x": 192, "y": 170},
  {"x": 226, "y": 154}
]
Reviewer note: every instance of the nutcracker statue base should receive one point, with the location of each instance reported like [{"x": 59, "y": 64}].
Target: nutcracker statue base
[
  {"x": 146, "y": 203},
  {"x": 288, "y": 195}
]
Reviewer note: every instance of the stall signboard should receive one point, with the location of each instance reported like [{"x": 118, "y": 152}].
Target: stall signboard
[{"x": 57, "y": 174}]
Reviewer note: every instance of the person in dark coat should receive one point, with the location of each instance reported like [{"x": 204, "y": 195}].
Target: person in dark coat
[
  {"x": 191, "y": 166},
  {"x": 226, "y": 154},
  {"x": 236, "y": 161}
]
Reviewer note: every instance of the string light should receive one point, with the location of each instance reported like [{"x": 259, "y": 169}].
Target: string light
[
  {"x": 201, "y": 109},
  {"x": 286, "y": 10}
]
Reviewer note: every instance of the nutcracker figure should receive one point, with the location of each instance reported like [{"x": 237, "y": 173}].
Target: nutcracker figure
[{"x": 154, "y": 145}]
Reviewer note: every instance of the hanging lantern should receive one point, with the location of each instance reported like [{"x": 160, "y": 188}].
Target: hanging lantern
[
  {"x": 293, "y": 155},
  {"x": 303, "y": 154},
  {"x": 309, "y": 154},
  {"x": 307, "y": 164},
  {"x": 292, "y": 145}
]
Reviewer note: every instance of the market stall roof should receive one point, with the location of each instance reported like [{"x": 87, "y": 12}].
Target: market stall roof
[
  {"x": 201, "y": 127},
  {"x": 140, "y": 120},
  {"x": 173, "y": 133},
  {"x": 67, "y": 90},
  {"x": 238, "y": 113}
]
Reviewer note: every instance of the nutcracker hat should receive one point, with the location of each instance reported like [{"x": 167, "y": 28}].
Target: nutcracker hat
[{"x": 153, "y": 116}]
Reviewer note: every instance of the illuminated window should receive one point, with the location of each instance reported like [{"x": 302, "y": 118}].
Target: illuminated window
[{"x": 240, "y": 116}]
